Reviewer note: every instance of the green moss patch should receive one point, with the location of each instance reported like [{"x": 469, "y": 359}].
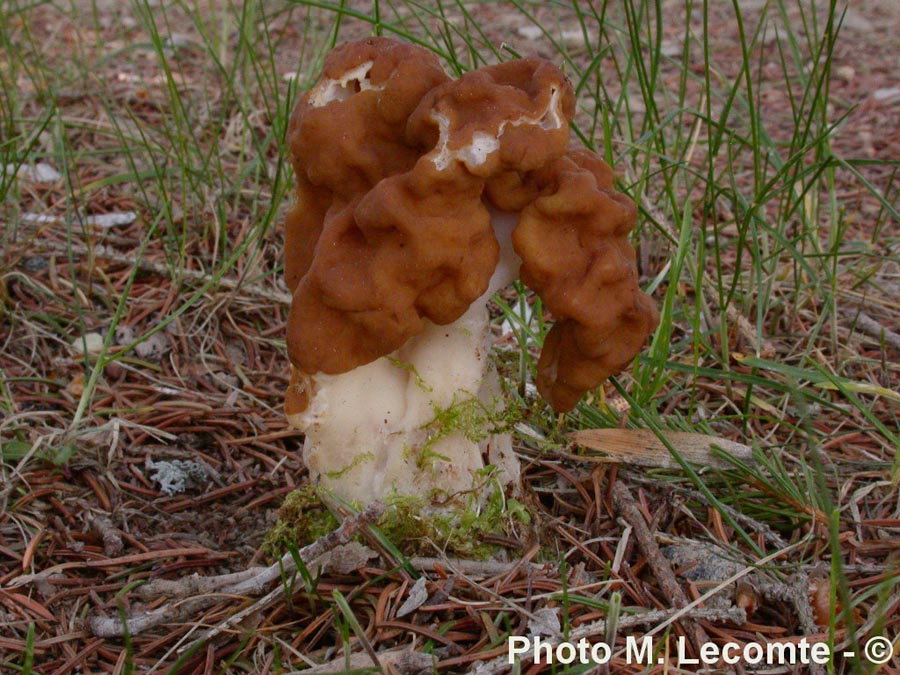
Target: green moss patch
[
  {"x": 302, "y": 519},
  {"x": 418, "y": 527},
  {"x": 413, "y": 525},
  {"x": 469, "y": 416}
]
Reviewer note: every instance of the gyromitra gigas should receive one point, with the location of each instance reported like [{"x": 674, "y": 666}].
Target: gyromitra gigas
[{"x": 418, "y": 197}]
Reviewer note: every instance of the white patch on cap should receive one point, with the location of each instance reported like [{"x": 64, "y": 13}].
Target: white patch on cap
[
  {"x": 341, "y": 89},
  {"x": 483, "y": 144}
]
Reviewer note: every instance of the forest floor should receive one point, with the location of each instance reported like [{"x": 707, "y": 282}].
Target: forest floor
[{"x": 142, "y": 316}]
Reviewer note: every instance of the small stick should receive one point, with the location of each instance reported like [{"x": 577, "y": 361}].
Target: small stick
[
  {"x": 878, "y": 331},
  {"x": 624, "y": 503},
  {"x": 195, "y": 584},
  {"x": 109, "y": 533},
  {"x": 474, "y": 568},
  {"x": 402, "y": 661}
]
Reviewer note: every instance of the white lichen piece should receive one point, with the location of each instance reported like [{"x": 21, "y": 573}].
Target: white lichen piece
[
  {"x": 177, "y": 475},
  {"x": 41, "y": 172}
]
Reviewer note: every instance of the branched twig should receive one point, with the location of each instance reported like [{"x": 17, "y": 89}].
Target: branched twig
[
  {"x": 775, "y": 539},
  {"x": 195, "y": 584},
  {"x": 249, "y": 582}
]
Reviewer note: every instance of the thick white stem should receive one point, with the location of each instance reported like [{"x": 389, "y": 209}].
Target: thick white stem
[{"x": 378, "y": 429}]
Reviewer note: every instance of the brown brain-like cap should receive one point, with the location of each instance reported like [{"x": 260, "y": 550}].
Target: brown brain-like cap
[
  {"x": 397, "y": 168},
  {"x": 348, "y": 132},
  {"x": 398, "y": 226},
  {"x": 417, "y": 246},
  {"x": 573, "y": 240},
  {"x": 511, "y": 116}
]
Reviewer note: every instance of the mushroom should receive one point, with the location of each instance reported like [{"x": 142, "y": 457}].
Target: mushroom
[{"x": 418, "y": 197}]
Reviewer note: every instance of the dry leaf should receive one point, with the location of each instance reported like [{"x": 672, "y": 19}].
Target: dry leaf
[
  {"x": 643, "y": 448},
  {"x": 76, "y": 385},
  {"x": 417, "y": 597},
  {"x": 545, "y": 621},
  {"x": 348, "y": 558},
  {"x": 404, "y": 661}
]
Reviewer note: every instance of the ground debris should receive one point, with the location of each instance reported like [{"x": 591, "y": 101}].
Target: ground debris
[{"x": 400, "y": 661}]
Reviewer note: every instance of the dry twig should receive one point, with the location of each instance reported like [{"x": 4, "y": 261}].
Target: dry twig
[
  {"x": 624, "y": 503},
  {"x": 877, "y": 330}
]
